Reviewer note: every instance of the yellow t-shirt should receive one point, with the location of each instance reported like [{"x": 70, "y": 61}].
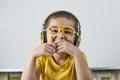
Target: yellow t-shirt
[{"x": 49, "y": 70}]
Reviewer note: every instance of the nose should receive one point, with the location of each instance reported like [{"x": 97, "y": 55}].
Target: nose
[{"x": 60, "y": 35}]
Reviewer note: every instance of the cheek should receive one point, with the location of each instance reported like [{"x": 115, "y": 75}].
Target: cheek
[{"x": 70, "y": 39}]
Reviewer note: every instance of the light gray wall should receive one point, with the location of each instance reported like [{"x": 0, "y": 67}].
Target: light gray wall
[{"x": 21, "y": 21}]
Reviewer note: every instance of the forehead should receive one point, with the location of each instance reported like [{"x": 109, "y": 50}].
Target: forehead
[{"x": 61, "y": 21}]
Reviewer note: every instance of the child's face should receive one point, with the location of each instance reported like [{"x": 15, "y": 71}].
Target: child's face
[{"x": 61, "y": 33}]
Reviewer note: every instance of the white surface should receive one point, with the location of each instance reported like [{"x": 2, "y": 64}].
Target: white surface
[{"x": 21, "y": 21}]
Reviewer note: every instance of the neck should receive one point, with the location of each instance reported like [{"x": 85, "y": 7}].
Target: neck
[{"x": 60, "y": 58}]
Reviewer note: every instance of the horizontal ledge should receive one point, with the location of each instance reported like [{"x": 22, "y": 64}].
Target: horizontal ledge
[
  {"x": 92, "y": 68},
  {"x": 11, "y": 70},
  {"x": 105, "y": 68}
]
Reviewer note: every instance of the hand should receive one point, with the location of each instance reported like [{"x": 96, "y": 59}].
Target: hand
[
  {"x": 64, "y": 46},
  {"x": 45, "y": 49}
]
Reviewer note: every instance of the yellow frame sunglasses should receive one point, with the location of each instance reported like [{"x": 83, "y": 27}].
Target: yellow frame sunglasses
[{"x": 66, "y": 30}]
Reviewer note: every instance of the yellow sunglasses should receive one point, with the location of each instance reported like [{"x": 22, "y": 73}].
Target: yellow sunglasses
[{"x": 66, "y": 30}]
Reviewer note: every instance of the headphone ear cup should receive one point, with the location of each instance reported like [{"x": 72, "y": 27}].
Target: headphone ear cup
[
  {"x": 77, "y": 40},
  {"x": 43, "y": 37}
]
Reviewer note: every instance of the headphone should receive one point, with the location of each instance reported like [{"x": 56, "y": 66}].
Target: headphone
[{"x": 77, "y": 35}]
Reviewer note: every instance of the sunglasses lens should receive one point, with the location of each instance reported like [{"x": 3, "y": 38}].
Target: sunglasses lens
[
  {"x": 54, "y": 30},
  {"x": 68, "y": 31}
]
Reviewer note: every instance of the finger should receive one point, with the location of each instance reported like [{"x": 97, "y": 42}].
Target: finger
[
  {"x": 52, "y": 45},
  {"x": 59, "y": 41},
  {"x": 59, "y": 44},
  {"x": 59, "y": 47},
  {"x": 50, "y": 48},
  {"x": 49, "y": 52},
  {"x": 60, "y": 51}
]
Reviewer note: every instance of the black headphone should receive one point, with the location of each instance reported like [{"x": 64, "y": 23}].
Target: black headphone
[{"x": 77, "y": 35}]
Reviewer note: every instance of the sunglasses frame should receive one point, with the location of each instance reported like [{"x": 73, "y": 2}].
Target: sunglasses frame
[{"x": 61, "y": 29}]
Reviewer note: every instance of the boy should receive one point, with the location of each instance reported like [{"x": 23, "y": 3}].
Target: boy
[{"x": 59, "y": 57}]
